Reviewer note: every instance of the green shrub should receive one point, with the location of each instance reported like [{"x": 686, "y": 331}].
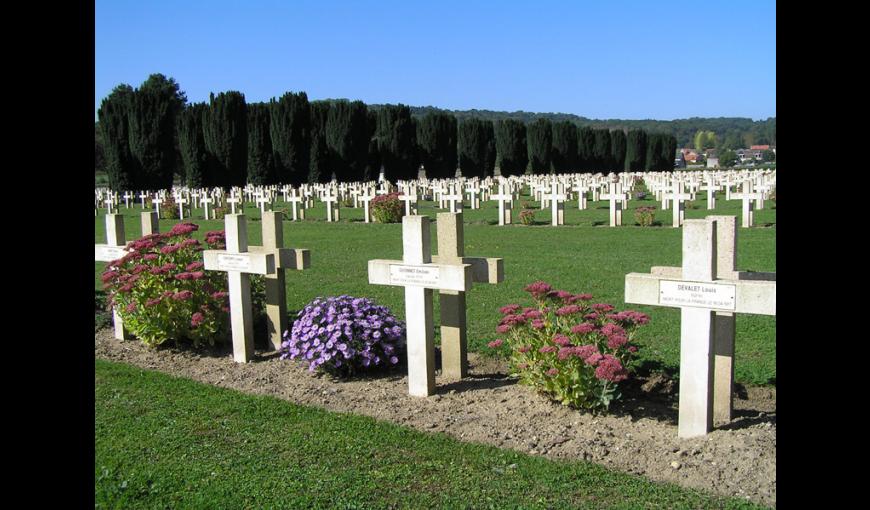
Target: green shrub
[
  {"x": 162, "y": 292},
  {"x": 527, "y": 217},
  {"x": 645, "y": 216},
  {"x": 387, "y": 208},
  {"x": 168, "y": 209}
]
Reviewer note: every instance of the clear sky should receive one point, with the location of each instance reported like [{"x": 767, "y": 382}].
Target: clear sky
[{"x": 607, "y": 59}]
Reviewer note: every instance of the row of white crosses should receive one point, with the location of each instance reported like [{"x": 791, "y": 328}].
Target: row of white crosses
[{"x": 709, "y": 292}]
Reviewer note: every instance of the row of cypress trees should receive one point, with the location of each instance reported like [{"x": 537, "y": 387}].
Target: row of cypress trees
[{"x": 150, "y": 134}]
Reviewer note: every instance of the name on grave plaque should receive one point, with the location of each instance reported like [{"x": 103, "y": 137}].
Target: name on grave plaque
[
  {"x": 697, "y": 294},
  {"x": 109, "y": 253},
  {"x": 414, "y": 275},
  {"x": 233, "y": 262}
]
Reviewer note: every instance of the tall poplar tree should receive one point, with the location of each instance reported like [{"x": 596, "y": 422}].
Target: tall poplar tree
[
  {"x": 510, "y": 143},
  {"x": 319, "y": 169},
  {"x": 476, "y": 147},
  {"x": 348, "y": 140},
  {"x": 152, "y": 118},
  {"x": 121, "y": 166},
  {"x": 635, "y": 150},
  {"x": 564, "y": 155},
  {"x": 261, "y": 160},
  {"x": 397, "y": 142},
  {"x": 585, "y": 144},
  {"x": 191, "y": 144},
  {"x": 225, "y": 129},
  {"x": 290, "y": 130},
  {"x": 618, "y": 146},
  {"x": 436, "y": 140},
  {"x": 601, "y": 150},
  {"x": 539, "y": 141}
]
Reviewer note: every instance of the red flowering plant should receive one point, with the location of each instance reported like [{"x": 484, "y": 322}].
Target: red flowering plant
[
  {"x": 162, "y": 292},
  {"x": 569, "y": 349},
  {"x": 387, "y": 208}
]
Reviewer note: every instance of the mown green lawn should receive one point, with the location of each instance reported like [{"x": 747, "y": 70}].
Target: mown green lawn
[
  {"x": 584, "y": 255},
  {"x": 165, "y": 442}
]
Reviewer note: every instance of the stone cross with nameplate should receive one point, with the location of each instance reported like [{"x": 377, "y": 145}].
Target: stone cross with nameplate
[
  {"x": 114, "y": 249},
  {"x": 419, "y": 276},
  {"x": 708, "y": 297},
  {"x": 240, "y": 264}
]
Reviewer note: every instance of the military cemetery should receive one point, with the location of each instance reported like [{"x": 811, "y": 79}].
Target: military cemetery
[{"x": 605, "y": 301}]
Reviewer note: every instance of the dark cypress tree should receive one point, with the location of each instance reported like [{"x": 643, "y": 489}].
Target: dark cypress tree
[
  {"x": 121, "y": 167},
  {"x": 319, "y": 169},
  {"x": 153, "y": 111},
  {"x": 397, "y": 142},
  {"x": 225, "y": 129},
  {"x": 510, "y": 143},
  {"x": 373, "y": 159},
  {"x": 290, "y": 130},
  {"x": 476, "y": 147},
  {"x": 617, "y": 150},
  {"x": 539, "y": 142},
  {"x": 601, "y": 151},
  {"x": 564, "y": 153},
  {"x": 585, "y": 144},
  {"x": 635, "y": 150},
  {"x": 436, "y": 140},
  {"x": 191, "y": 144},
  {"x": 261, "y": 160},
  {"x": 348, "y": 139},
  {"x": 654, "y": 143},
  {"x": 669, "y": 153}
]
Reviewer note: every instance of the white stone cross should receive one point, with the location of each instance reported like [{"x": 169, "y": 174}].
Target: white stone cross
[
  {"x": 615, "y": 205},
  {"x": 263, "y": 198},
  {"x": 127, "y": 197},
  {"x": 504, "y": 204},
  {"x": 454, "y": 198},
  {"x": 451, "y": 250},
  {"x": 333, "y": 213},
  {"x": 701, "y": 290},
  {"x": 142, "y": 197},
  {"x": 297, "y": 201},
  {"x": 366, "y": 199},
  {"x": 747, "y": 196},
  {"x": 240, "y": 264},
  {"x": 205, "y": 201},
  {"x": 711, "y": 188},
  {"x": 679, "y": 198},
  {"x": 419, "y": 276},
  {"x": 180, "y": 201},
  {"x": 472, "y": 189},
  {"x": 285, "y": 258},
  {"x": 410, "y": 198},
  {"x": 233, "y": 200},
  {"x": 108, "y": 202},
  {"x": 114, "y": 249},
  {"x": 581, "y": 188},
  {"x": 157, "y": 201},
  {"x": 557, "y": 204}
]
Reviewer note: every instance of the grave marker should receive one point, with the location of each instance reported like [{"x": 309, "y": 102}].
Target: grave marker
[
  {"x": 705, "y": 300},
  {"x": 419, "y": 276},
  {"x": 114, "y": 249}
]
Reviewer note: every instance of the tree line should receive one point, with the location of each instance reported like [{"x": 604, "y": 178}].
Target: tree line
[{"x": 146, "y": 136}]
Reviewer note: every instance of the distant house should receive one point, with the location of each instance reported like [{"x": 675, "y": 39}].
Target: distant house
[
  {"x": 744, "y": 155},
  {"x": 691, "y": 155},
  {"x": 760, "y": 147},
  {"x": 712, "y": 161}
]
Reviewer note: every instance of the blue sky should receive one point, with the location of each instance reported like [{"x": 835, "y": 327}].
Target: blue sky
[{"x": 622, "y": 59}]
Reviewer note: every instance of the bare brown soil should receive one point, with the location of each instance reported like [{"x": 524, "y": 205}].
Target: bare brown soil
[{"x": 640, "y": 436}]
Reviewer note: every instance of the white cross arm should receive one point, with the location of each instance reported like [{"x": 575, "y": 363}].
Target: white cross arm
[
  {"x": 483, "y": 269},
  {"x": 106, "y": 253},
  {"x": 743, "y": 296},
  {"x": 287, "y": 258},
  {"x": 249, "y": 262},
  {"x": 456, "y": 277}
]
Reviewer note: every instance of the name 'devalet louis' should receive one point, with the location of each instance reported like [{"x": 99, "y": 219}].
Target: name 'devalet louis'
[{"x": 697, "y": 294}]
